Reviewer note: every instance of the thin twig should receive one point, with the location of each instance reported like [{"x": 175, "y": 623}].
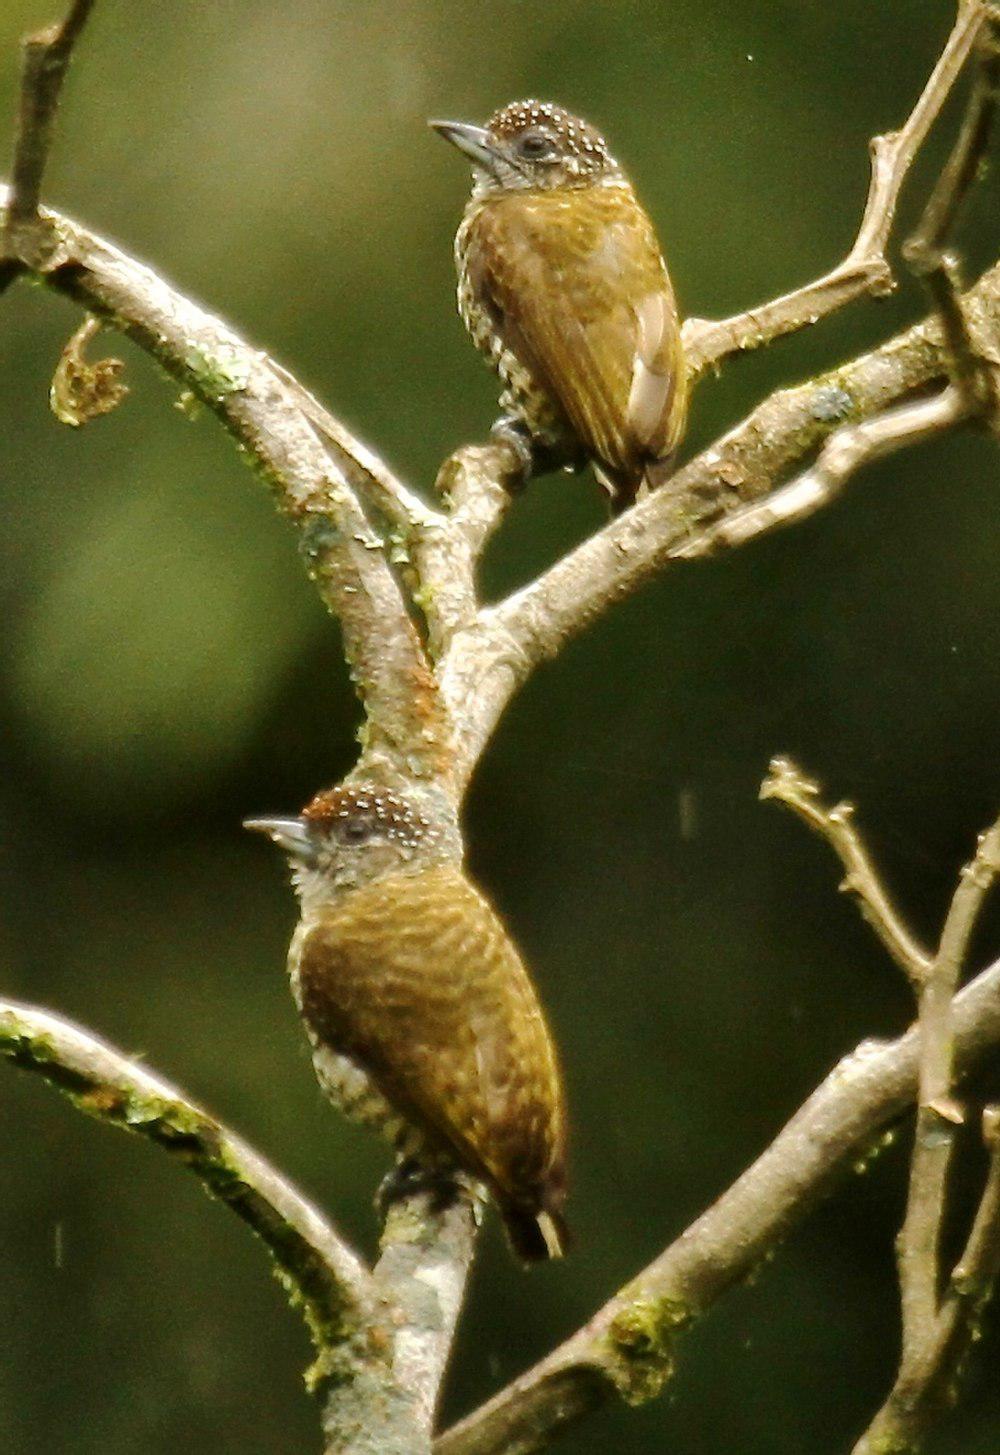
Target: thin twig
[
  {"x": 937, "y": 1116},
  {"x": 926, "y": 251},
  {"x": 362, "y": 466},
  {"x": 935, "y": 1329},
  {"x": 844, "y": 453},
  {"x": 926, "y": 1386},
  {"x": 865, "y": 269},
  {"x": 629, "y": 1347},
  {"x": 789, "y": 785},
  {"x": 45, "y": 58},
  {"x": 324, "y": 1276}
]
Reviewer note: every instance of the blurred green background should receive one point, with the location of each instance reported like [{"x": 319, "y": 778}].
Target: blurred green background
[{"x": 167, "y": 670}]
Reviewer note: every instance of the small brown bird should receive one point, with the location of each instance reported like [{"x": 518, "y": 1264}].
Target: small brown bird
[
  {"x": 563, "y": 287},
  {"x": 422, "y": 1017}
]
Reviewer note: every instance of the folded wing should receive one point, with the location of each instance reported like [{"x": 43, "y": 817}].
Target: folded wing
[{"x": 579, "y": 293}]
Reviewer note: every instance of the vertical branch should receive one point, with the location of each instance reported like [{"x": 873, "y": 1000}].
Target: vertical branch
[
  {"x": 937, "y": 1325},
  {"x": 426, "y": 1253},
  {"x": 45, "y": 59},
  {"x": 926, "y": 251}
]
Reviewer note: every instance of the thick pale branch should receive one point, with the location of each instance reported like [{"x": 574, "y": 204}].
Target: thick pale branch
[
  {"x": 865, "y": 269},
  {"x": 426, "y": 1253},
  {"x": 628, "y": 1346},
  {"x": 477, "y": 483},
  {"x": 787, "y": 784},
  {"x": 344, "y": 554},
  {"x": 844, "y": 454},
  {"x": 324, "y": 1276}
]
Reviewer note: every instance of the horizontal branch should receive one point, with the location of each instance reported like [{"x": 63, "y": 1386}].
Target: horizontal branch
[
  {"x": 627, "y": 1349},
  {"x": 324, "y": 1277},
  {"x": 344, "y": 554}
]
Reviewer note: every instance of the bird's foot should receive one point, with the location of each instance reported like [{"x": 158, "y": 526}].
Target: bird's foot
[
  {"x": 412, "y": 1178},
  {"x": 510, "y": 431},
  {"x": 535, "y": 455}
]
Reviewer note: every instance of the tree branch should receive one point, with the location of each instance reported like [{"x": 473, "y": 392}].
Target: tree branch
[
  {"x": 787, "y": 784},
  {"x": 484, "y": 668},
  {"x": 935, "y": 1336},
  {"x": 323, "y": 1276},
  {"x": 45, "y": 58},
  {"x": 865, "y": 270},
  {"x": 343, "y": 553},
  {"x": 975, "y": 374},
  {"x": 426, "y": 1254},
  {"x": 628, "y": 1347},
  {"x": 478, "y": 484}
]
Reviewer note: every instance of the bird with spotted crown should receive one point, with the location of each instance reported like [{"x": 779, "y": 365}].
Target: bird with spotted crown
[
  {"x": 562, "y": 285},
  {"x": 423, "y": 1020}
]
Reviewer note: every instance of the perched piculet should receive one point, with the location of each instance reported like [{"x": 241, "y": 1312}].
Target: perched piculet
[
  {"x": 422, "y": 1017},
  {"x": 562, "y": 285}
]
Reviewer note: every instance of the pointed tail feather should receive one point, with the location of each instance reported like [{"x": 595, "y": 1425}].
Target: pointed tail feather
[{"x": 536, "y": 1236}]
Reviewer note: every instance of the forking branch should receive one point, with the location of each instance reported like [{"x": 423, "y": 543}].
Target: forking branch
[
  {"x": 866, "y": 269},
  {"x": 938, "y": 1309},
  {"x": 434, "y": 670},
  {"x": 629, "y": 1346}
]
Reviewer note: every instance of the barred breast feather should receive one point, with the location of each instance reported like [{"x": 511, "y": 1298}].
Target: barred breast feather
[{"x": 414, "y": 980}]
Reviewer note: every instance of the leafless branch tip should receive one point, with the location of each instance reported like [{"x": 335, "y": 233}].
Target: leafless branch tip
[{"x": 45, "y": 59}]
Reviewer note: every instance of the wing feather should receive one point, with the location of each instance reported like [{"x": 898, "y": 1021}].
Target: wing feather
[
  {"x": 418, "y": 982},
  {"x": 581, "y": 296}
]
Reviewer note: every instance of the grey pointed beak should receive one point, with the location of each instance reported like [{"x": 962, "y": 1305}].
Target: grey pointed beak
[
  {"x": 473, "y": 141},
  {"x": 294, "y": 835}
]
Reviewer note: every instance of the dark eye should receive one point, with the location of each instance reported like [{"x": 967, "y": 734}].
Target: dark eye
[
  {"x": 535, "y": 146},
  {"x": 356, "y": 830}
]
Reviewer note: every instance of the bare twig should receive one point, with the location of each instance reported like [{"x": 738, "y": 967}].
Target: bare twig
[
  {"x": 865, "y": 269},
  {"x": 926, "y": 1386},
  {"x": 628, "y": 1348},
  {"x": 323, "y": 1275},
  {"x": 926, "y": 252},
  {"x": 477, "y": 483},
  {"x": 361, "y": 465},
  {"x": 789, "y": 785},
  {"x": 844, "y": 453},
  {"x": 935, "y": 1333},
  {"x": 976, "y": 1271},
  {"x": 45, "y": 58}
]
